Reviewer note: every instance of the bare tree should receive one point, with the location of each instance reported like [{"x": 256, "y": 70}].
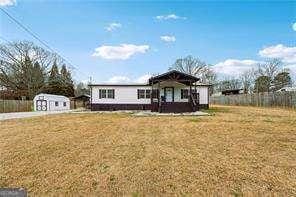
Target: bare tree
[
  {"x": 195, "y": 67},
  {"x": 247, "y": 79},
  {"x": 270, "y": 68},
  {"x": 17, "y": 68}
]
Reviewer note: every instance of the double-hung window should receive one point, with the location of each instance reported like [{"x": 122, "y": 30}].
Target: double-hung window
[
  {"x": 184, "y": 93},
  {"x": 106, "y": 93},
  {"x": 144, "y": 94}
]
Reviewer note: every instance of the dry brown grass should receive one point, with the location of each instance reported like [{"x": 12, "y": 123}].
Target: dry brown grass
[{"x": 238, "y": 150}]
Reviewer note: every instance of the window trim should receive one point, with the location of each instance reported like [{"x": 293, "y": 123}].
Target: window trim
[
  {"x": 145, "y": 93},
  {"x": 184, "y": 96},
  {"x": 105, "y": 93}
]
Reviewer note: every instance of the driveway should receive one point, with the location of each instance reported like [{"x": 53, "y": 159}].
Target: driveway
[{"x": 14, "y": 115}]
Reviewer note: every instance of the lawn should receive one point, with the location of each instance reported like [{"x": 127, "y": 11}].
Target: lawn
[{"x": 235, "y": 151}]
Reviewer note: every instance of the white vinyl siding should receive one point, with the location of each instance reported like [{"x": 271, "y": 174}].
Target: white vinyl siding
[
  {"x": 123, "y": 95},
  {"x": 129, "y": 94}
]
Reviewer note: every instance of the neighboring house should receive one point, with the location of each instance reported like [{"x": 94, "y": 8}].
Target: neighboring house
[
  {"x": 51, "y": 102},
  {"x": 233, "y": 91},
  {"x": 173, "y": 91},
  {"x": 287, "y": 89}
]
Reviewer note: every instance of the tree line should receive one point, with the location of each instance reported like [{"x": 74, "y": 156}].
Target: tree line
[
  {"x": 268, "y": 76},
  {"x": 27, "y": 69}
]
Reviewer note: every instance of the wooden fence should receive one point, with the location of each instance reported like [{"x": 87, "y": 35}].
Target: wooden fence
[
  {"x": 20, "y": 106},
  {"x": 15, "y": 106},
  {"x": 265, "y": 99}
]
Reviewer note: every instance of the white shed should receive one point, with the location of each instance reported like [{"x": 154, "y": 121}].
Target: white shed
[{"x": 51, "y": 102}]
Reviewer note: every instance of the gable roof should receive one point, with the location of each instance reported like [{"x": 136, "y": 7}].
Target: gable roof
[{"x": 174, "y": 75}]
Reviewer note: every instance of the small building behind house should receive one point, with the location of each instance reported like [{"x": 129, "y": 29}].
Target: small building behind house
[
  {"x": 51, "y": 102},
  {"x": 81, "y": 101},
  {"x": 232, "y": 91}
]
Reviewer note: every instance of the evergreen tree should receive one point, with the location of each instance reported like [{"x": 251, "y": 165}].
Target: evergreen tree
[
  {"x": 68, "y": 85},
  {"x": 54, "y": 84},
  {"x": 262, "y": 84},
  {"x": 38, "y": 77},
  {"x": 281, "y": 80}
]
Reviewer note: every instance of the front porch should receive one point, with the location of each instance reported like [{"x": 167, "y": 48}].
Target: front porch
[{"x": 174, "y": 92}]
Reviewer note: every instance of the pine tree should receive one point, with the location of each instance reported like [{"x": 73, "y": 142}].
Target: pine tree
[
  {"x": 281, "y": 80},
  {"x": 68, "y": 85},
  {"x": 262, "y": 84},
  {"x": 54, "y": 84},
  {"x": 38, "y": 77}
]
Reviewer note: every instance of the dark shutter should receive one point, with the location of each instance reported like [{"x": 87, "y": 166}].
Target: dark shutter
[
  {"x": 100, "y": 93},
  {"x": 138, "y": 93},
  {"x": 182, "y": 93},
  {"x": 113, "y": 93}
]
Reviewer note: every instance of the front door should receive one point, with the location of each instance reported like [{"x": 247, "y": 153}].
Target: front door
[
  {"x": 41, "y": 105},
  {"x": 169, "y": 94}
]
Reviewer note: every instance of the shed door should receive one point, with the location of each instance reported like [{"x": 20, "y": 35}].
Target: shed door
[{"x": 41, "y": 105}]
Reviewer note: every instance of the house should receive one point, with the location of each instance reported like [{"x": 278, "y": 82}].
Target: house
[
  {"x": 81, "y": 100},
  {"x": 51, "y": 102},
  {"x": 232, "y": 92},
  {"x": 171, "y": 92},
  {"x": 287, "y": 89}
]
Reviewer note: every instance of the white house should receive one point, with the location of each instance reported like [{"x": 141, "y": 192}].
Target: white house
[
  {"x": 173, "y": 91},
  {"x": 51, "y": 102}
]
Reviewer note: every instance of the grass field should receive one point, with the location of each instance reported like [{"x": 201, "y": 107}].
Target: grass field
[{"x": 237, "y": 150}]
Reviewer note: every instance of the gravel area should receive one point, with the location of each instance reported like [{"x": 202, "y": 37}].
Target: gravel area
[{"x": 15, "y": 115}]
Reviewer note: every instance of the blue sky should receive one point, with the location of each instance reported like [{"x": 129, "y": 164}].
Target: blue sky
[{"x": 128, "y": 40}]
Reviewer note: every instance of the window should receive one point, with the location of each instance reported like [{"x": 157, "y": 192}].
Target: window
[
  {"x": 141, "y": 94},
  {"x": 56, "y": 103},
  {"x": 184, "y": 93},
  {"x": 110, "y": 93},
  {"x": 144, "y": 94},
  {"x": 148, "y": 94},
  {"x": 106, "y": 93},
  {"x": 102, "y": 93},
  {"x": 65, "y": 104}
]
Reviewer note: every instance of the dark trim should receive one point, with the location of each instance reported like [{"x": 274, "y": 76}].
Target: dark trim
[
  {"x": 169, "y": 107},
  {"x": 155, "y": 78},
  {"x": 114, "y": 107},
  {"x": 136, "y": 85}
]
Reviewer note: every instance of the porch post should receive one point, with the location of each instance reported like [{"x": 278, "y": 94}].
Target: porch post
[
  {"x": 190, "y": 92},
  {"x": 159, "y": 100}
]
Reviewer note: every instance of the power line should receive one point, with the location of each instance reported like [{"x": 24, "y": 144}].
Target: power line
[{"x": 39, "y": 39}]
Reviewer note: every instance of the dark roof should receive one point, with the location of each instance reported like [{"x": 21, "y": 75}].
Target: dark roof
[
  {"x": 174, "y": 75},
  {"x": 233, "y": 91},
  {"x": 82, "y": 96}
]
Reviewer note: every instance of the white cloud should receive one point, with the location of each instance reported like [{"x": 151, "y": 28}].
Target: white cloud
[
  {"x": 119, "y": 79},
  {"x": 124, "y": 79},
  {"x": 286, "y": 54},
  {"x": 120, "y": 52},
  {"x": 169, "y": 17},
  {"x": 113, "y": 26},
  {"x": 7, "y": 3},
  {"x": 234, "y": 67},
  {"x": 294, "y": 26},
  {"x": 168, "y": 38},
  {"x": 143, "y": 79}
]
